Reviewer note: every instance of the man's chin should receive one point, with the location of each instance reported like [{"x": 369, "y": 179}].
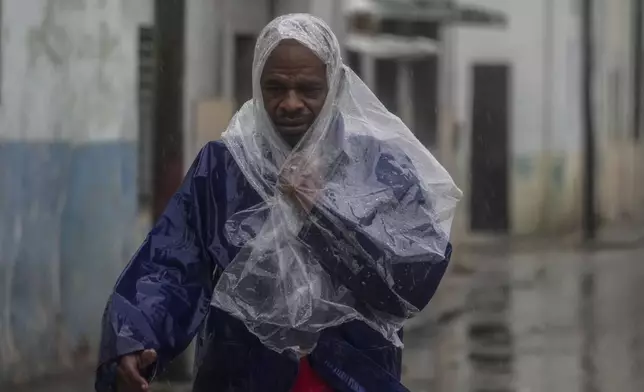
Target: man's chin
[{"x": 292, "y": 135}]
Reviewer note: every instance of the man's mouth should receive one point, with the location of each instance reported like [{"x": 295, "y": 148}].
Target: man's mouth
[{"x": 293, "y": 126}]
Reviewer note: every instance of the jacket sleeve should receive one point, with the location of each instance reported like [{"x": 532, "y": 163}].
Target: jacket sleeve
[
  {"x": 388, "y": 256},
  {"x": 163, "y": 295}
]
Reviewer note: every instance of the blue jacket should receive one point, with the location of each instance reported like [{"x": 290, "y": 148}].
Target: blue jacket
[{"x": 162, "y": 299}]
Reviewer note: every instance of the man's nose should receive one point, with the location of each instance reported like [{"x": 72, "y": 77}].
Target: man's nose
[{"x": 292, "y": 103}]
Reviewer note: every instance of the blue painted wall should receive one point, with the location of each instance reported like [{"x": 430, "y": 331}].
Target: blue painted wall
[{"x": 68, "y": 219}]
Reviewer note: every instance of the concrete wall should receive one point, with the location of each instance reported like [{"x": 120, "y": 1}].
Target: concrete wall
[
  {"x": 620, "y": 186},
  {"x": 67, "y": 174},
  {"x": 203, "y": 65},
  {"x": 543, "y": 46},
  {"x": 211, "y": 26}
]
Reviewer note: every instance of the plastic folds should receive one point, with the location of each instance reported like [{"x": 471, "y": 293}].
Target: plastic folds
[{"x": 354, "y": 218}]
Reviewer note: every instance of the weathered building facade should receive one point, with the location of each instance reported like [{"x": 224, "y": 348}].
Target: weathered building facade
[
  {"x": 68, "y": 190},
  {"x": 519, "y": 129}
]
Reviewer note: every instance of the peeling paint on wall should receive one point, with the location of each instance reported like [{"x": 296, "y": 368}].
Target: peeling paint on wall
[
  {"x": 546, "y": 193},
  {"x": 524, "y": 167},
  {"x": 68, "y": 205},
  {"x": 621, "y": 179}
]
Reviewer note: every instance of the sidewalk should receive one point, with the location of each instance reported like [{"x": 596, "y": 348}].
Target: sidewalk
[
  {"x": 83, "y": 381},
  {"x": 631, "y": 235},
  {"x": 628, "y": 235}
]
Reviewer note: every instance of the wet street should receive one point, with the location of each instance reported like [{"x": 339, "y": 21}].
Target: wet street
[
  {"x": 534, "y": 321},
  {"x": 530, "y": 321}
]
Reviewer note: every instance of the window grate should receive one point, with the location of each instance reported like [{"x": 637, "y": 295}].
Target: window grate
[{"x": 146, "y": 97}]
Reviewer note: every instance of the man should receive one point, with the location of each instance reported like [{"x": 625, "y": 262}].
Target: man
[{"x": 296, "y": 247}]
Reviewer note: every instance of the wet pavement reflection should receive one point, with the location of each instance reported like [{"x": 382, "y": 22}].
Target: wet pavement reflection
[{"x": 532, "y": 321}]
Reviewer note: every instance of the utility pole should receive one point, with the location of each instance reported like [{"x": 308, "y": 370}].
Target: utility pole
[
  {"x": 168, "y": 122},
  {"x": 638, "y": 65},
  {"x": 589, "y": 216},
  {"x": 446, "y": 123},
  {"x": 169, "y": 23}
]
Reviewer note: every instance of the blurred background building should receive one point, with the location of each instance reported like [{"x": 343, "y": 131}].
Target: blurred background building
[
  {"x": 519, "y": 130},
  {"x": 103, "y": 104}
]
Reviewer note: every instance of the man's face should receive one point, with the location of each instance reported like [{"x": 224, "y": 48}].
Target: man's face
[{"x": 294, "y": 87}]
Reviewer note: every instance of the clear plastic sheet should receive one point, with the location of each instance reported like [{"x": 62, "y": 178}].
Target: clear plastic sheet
[{"x": 380, "y": 198}]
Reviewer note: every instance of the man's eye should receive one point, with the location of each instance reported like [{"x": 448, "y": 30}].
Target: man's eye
[
  {"x": 311, "y": 87},
  {"x": 311, "y": 91},
  {"x": 274, "y": 88}
]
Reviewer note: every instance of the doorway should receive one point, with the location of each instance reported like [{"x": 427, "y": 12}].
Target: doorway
[
  {"x": 489, "y": 148},
  {"x": 244, "y": 52},
  {"x": 386, "y": 88},
  {"x": 424, "y": 81}
]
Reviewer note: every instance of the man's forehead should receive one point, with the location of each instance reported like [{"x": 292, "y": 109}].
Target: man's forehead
[
  {"x": 292, "y": 56},
  {"x": 291, "y": 49},
  {"x": 291, "y": 42}
]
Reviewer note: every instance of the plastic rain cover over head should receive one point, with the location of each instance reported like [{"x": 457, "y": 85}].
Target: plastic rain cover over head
[{"x": 277, "y": 285}]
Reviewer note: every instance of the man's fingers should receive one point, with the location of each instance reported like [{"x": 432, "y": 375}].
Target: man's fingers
[
  {"x": 147, "y": 358},
  {"x": 131, "y": 384},
  {"x": 134, "y": 382},
  {"x": 130, "y": 375}
]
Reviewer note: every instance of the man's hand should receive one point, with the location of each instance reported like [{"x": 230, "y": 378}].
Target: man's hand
[
  {"x": 301, "y": 183},
  {"x": 303, "y": 192},
  {"x": 129, "y": 378}
]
